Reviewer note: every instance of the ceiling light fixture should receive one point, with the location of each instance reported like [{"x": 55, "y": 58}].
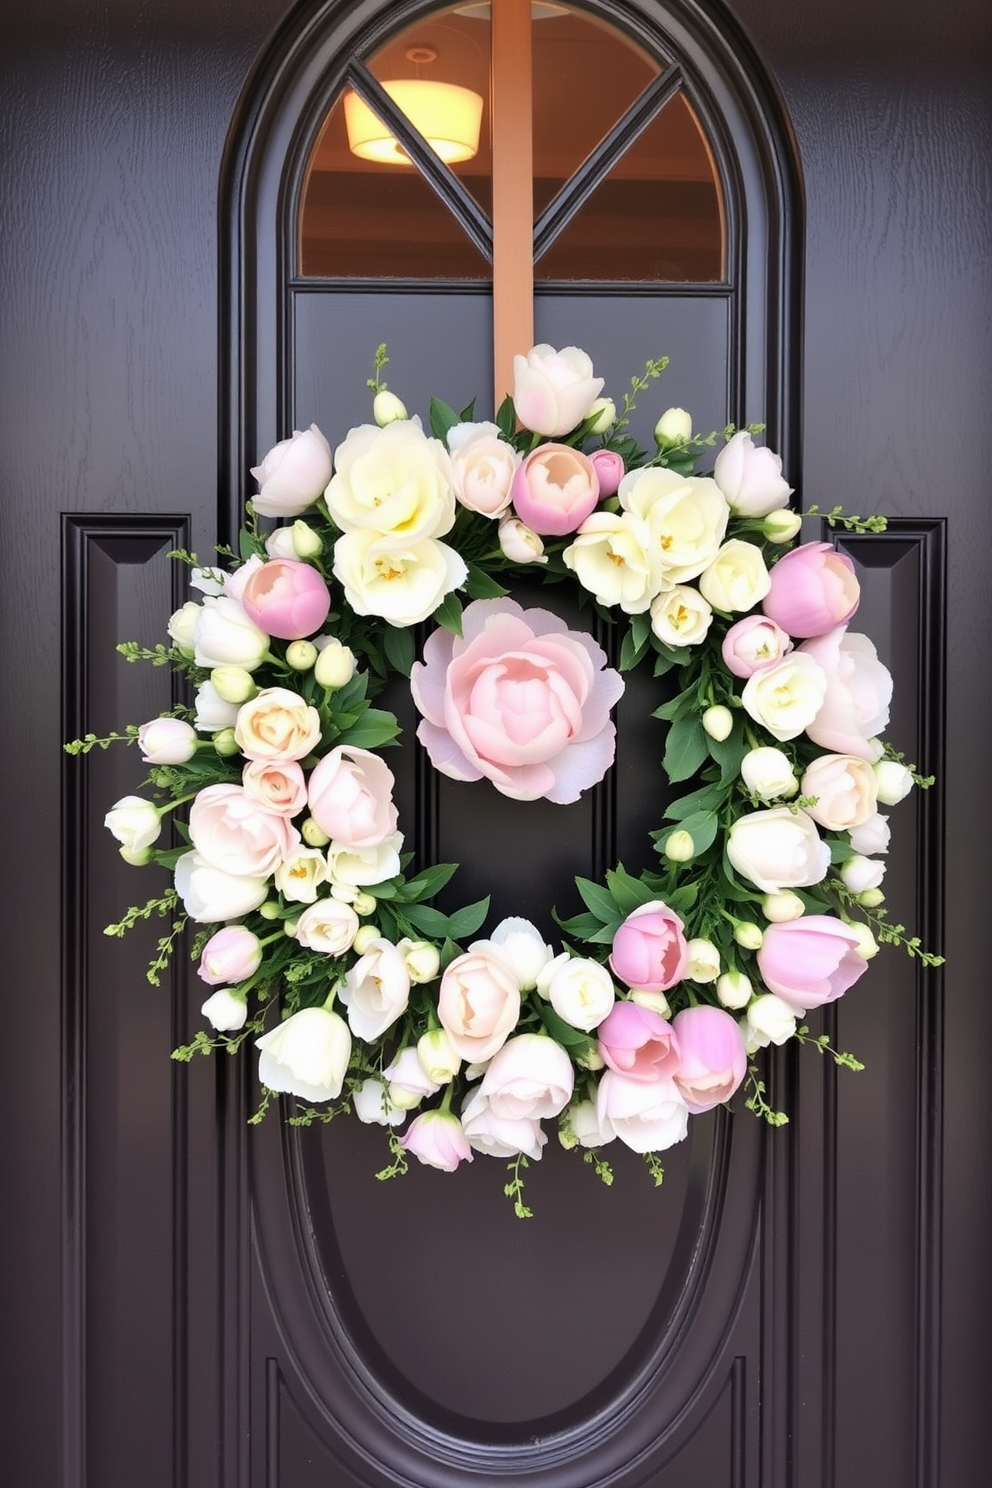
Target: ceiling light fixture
[{"x": 448, "y": 117}]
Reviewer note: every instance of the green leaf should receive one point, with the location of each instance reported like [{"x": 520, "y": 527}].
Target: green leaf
[
  {"x": 429, "y": 921},
  {"x": 443, "y": 418},
  {"x": 580, "y": 926},
  {"x": 449, "y": 613},
  {"x": 430, "y": 881},
  {"x": 374, "y": 727},
  {"x": 631, "y": 650},
  {"x": 680, "y": 705},
  {"x": 563, "y": 1033},
  {"x": 686, "y": 749},
  {"x": 466, "y": 921},
  {"x": 598, "y": 899},
  {"x": 246, "y": 545},
  {"x": 399, "y": 648},
  {"x": 729, "y": 752},
  {"x": 480, "y": 585},
  {"x": 506, "y": 418},
  {"x": 840, "y": 849},
  {"x": 629, "y": 893},
  {"x": 706, "y": 798},
  {"x": 683, "y": 899},
  {"x": 467, "y": 415}
]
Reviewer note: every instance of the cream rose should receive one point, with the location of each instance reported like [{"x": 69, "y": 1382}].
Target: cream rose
[
  {"x": 478, "y": 1002},
  {"x": 300, "y": 876},
  {"x": 845, "y": 791},
  {"x": 482, "y": 468},
  {"x": 786, "y": 698},
  {"x": 362, "y": 867},
  {"x": 737, "y": 579},
  {"x": 580, "y": 991},
  {"x": 276, "y": 724},
  {"x": 278, "y": 785},
  {"x": 307, "y": 1055},
  {"x": 609, "y": 557},
  {"x": 778, "y": 849},
  {"x": 327, "y": 926},
  {"x": 393, "y": 484},
  {"x": 680, "y": 616},
  {"x": 553, "y": 391},
  {"x": 401, "y": 584},
  {"x": 686, "y": 518}
]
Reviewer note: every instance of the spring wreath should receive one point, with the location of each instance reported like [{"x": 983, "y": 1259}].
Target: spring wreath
[{"x": 316, "y": 932}]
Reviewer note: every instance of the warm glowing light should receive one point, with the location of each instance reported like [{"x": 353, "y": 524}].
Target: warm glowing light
[{"x": 447, "y": 116}]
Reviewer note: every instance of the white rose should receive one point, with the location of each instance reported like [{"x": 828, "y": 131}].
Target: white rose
[
  {"x": 307, "y": 1055},
  {"x": 524, "y": 947},
  {"x": 844, "y": 787},
  {"x": 293, "y": 474},
  {"x": 209, "y": 895},
  {"x": 647, "y": 1115},
  {"x": 135, "y": 823},
  {"x": 769, "y": 1020},
  {"x": 581, "y": 992},
  {"x": 704, "y": 961},
  {"x": 872, "y": 836},
  {"x": 402, "y": 585},
  {"x": 376, "y": 990},
  {"x": 750, "y": 478},
  {"x": 327, "y": 926},
  {"x": 529, "y": 1078},
  {"x": 553, "y": 391},
  {"x": 482, "y": 467},
  {"x": 786, "y": 698},
  {"x": 224, "y": 634},
  {"x": 680, "y": 616},
  {"x": 778, "y": 849},
  {"x": 686, "y": 518},
  {"x": 860, "y": 874},
  {"x": 768, "y": 773},
  {"x": 277, "y": 724},
  {"x": 893, "y": 781},
  {"x": 737, "y": 579},
  {"x": 225, "y": 1010},
  {"x": 357, "y": 867},
  {"x": 299, "y": 876},
  {"x": 392, "y": 485},
  {"x": 520, "y": 543},
  {"x": 609, "y": 557},
  {"x": 371, "y": 1104},
  {"x": 500, "y": 1136}
]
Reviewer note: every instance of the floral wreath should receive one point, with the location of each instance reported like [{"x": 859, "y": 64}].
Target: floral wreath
[{"x": 316, "y": 931}]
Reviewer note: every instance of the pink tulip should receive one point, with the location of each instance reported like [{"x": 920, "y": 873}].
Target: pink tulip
[
  {"x": 437, "y": 1139},
  {"x": 649, "y": 950},
  {"x": 638, "y": 1043},
  {"x": 287, "y": 599},
  {"x": 813, "y": 588},
  {"x": 810, "y": 961},
  {"x": 229, "y": 956},
  {"x": 609, "y": 469},
  {"x": 713, "y": 1060},
  {"x": 555, "y": 489}
]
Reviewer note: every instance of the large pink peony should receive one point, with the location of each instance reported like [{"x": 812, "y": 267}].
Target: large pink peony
[{"x": 519, "y": 699}]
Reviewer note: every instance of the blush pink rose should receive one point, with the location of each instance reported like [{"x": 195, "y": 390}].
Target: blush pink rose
[
  {"x": 351, "y": 797},
  {"x": 529, "y": 1078},
  {"x": 478, "y": 1003},
  {"x": 293, "y": 474},
  {"x": 855, "y": 706},
  {"x": 287, "y": 598},
  {"x": 638, "y": 1043},
  {"x": 754, "y": 643},
  {"x": 279, "y": 785},
  {"x": 810, "y": 961},
  {"x": 813, "y": 588},
  {"x": 609, "y": 469},
  {"x": 647, "y": 1116},
  {"x": 555, "y": 489},
  {"x": 518, "y": 699},
  {"x": 553, "y": 391},
  {"x": 437, "y": 1139},
  {"x": 233, "y": 832},
  {"x": 650, "y": 951},
  {"x": 712, "y": 1057}
]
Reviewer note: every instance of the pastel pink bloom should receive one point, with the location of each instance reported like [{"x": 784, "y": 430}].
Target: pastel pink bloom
[
  {"x": 235, "y": 833},
  {"x": 554, "y": 489},
  {"x": 647, "y": 1116},
  {"x": 754, "y": 643},
  {"x": 287, "y": 598},
  {"x": 609, "y": 469},
  {"x": 166, "y": 741},
  {"x": 437, "y": 1139},
  {"x": 813, "y": 588},
  {"x": 750, "y": 477},
  {"x": 518, "y": 699},
  {"x": 279, "y": 785},
  {"x": 855, "y": 707},
  {"x": 810, "y": 961},
  {"x": 351, "y": 797},
  {"x": 553, "y": 391},
  {"x": 713, "y": 1060},
  {"x": 529, "y": 1078},
  {"x": 638, "y": 1043},
  {"x": 478, "y": 1003},
  {"x": 293, "y": 474},
  {"x": 229, "y": 956},
  {"x": 649, "y": 949}
]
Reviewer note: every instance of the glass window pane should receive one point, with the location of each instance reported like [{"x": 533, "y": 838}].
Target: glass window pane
[{"x": 657, "y": 215}]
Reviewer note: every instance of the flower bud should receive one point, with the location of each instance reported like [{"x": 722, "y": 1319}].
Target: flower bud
[
  {"x": 718, "y": 722},
  {"x": 233, "y": 684},
  {"x": 314, "y": 835},
  {"x": 225, "y": 1010},
  {"x": 306, "y": 542},
  {"x": 591, "y": 1060},
  {"x": 767, "y": 772},
  {"x": 301, "y": 655},
  {"x": 270, "y": 910},
  {"x": 421, "y": 960},
  {"x": 748, "y": 935},
  {"x": 181, "y": 625},
  {"x": 704, "y": 961},
  {"x": 279, "y": 543},
  {"x": 601, "y": 415},
  {"x": 871, "y": 898},
  {"x": 734, "y": 989},
  {"x": 226, "y": 744},
  {"x": 894, "y": 781},
  {"x": 366, "y": 935},
  {"x": 782, "y": 907},
  {"x": 435, "y": 1052},
  {"x": 680, "y": 847},
  {"x": 781, "y": 526},
  {"x": 867, "y": 944},
  {"x": 656, "y": 1001},
  {"x": 138, "y": 857},
  {"x": 862, "y": 875},
  {"x": 387, "y": 409},
  {"x": 335, "y": 665},
  {"x": 519, "y": 542},
  {"x": 673, "y": 428},
  {"x": 363, "y": 904}
]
